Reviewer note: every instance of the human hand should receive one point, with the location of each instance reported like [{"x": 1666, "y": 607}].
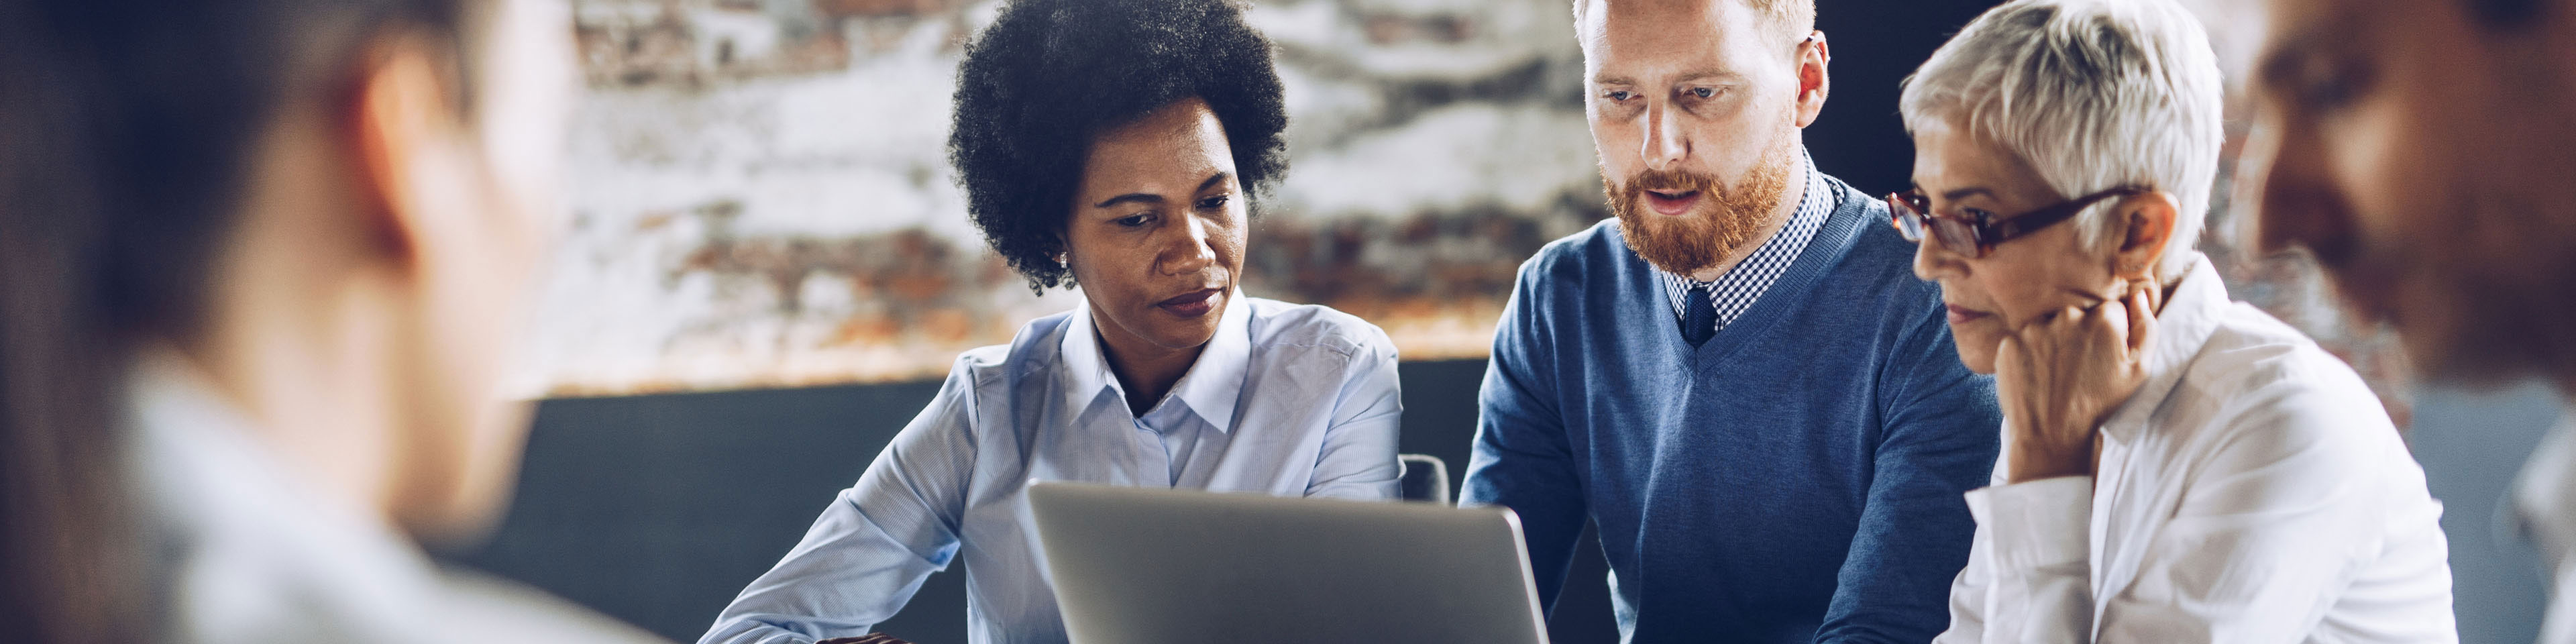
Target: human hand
[{"x": 2059, "y": 376}]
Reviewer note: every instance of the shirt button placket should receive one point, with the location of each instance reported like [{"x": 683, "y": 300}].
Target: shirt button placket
[{"x": 1161, "y": 448}]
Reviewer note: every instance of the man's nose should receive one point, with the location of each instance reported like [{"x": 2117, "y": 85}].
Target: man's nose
[{"x": 1665, "y": 146}]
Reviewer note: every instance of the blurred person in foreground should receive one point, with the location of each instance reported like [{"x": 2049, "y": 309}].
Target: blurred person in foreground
[
  {"x": 2422, "y": 152},
  {"x": 260, "y": 265},
  {"x": 1738, "y": 377},
  {"x": 1117, "y": 144},
  {"x": 2177, "y": 466}
]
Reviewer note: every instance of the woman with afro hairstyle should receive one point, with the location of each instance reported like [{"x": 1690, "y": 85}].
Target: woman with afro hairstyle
[{"x": 1117, "y": 145}]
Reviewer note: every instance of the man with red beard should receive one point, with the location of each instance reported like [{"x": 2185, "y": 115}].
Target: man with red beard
[
  {"x": 1740, "y": 382},
  {"x": 2421, "y": 150}
]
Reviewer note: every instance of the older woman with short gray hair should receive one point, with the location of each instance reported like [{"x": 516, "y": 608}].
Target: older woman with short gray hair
[{"x": 2177, "y": 466}]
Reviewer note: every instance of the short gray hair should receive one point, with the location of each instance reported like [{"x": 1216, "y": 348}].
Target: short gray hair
[{"x": 2093, "y": 94}]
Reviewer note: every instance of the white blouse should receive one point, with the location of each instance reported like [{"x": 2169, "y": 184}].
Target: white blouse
[{"x": 2253, "y": 490}]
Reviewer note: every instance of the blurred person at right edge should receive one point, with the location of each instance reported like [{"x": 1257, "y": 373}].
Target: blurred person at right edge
[
  {"x": 260, "y": 265},
  {"x": 2423, "y": 152}
]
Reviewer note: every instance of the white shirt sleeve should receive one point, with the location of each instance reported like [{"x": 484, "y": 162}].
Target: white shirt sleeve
[
  {"x": 2028, "y": 577},
  {"x": 1968, "y": 593}
]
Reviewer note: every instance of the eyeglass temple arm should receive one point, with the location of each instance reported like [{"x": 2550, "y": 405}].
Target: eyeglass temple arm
[{"x": 2000, "y": 231}]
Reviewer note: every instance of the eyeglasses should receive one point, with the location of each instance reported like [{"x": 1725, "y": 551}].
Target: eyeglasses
[{"x": 1912, "y": 214}]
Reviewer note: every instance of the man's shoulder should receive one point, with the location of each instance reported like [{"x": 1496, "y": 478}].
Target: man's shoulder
[
  {"x": 1595, "y": 247},
  {"x": 1873, "y": 258},
  {"x": 1875, "y": 247},
  {"x": 1584, "y": 260}
]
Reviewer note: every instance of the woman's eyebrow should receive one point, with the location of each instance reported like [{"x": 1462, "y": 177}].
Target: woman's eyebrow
[
  {"x": 1143, "y": 197},
  {"x": 1967, "y": 192},
  {"x": 1132, "y": 197}
]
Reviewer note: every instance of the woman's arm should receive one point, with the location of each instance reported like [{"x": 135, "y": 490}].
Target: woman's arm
[{"x": 873, "y": 546}]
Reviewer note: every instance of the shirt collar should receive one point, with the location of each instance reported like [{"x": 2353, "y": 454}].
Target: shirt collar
[
  {"x": 1816, "y": 199},
  {"x": 1209, "y": 389},
  {"x": 2185, "y": 325},
  {"x": 1732, "y": 294}
]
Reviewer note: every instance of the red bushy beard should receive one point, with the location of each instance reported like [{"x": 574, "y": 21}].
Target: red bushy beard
[{"x": 1723, "y": 222}]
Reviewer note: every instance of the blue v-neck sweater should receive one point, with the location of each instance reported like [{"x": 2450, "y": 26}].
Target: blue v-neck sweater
[{"x": 1797, "y": 478}]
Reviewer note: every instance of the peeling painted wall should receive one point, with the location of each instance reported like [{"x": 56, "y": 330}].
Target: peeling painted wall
[
  {"x": 762, "y": 199},
  {"x": 761, "y": 195}
]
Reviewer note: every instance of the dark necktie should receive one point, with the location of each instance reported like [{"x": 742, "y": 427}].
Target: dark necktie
[{"x": 1699, "y": 318}]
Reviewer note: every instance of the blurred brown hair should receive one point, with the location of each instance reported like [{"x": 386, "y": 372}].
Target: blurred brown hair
[{"x": 126, "y": 135}]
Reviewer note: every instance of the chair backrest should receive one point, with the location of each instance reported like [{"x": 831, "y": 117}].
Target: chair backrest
[{"x": 1425, "y": 478}]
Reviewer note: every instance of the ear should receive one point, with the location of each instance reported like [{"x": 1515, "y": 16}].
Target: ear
[
  {"x": 1814, "y": 55},
  {"x": 2146, "y": 228},
  {"x": 401, "y": 114}
]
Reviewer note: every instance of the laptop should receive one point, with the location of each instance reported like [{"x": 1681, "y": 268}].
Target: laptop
[{"x": 1157, "y": 566}]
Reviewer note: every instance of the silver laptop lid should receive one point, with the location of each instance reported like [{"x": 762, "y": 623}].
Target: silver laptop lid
[{"x": 1155, "y": 566}]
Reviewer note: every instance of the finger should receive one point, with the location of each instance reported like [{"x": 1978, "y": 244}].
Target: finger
[
  {"x": 2009, "y": 354},
  {"x": 2142, "y": 320},
  {"x": 2009, "y": 366},
  {"x": 2072, "y": 321},
  {"x": 2111, "y": 321}
]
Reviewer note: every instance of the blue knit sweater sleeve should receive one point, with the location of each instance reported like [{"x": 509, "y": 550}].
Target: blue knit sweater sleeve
[
  {"x": 1940, "y": 435},
  {"x": 1522, "y": 459}
]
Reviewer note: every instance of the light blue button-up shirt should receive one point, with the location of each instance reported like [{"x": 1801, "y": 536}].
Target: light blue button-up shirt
[{"x": 1285, "y": 400}]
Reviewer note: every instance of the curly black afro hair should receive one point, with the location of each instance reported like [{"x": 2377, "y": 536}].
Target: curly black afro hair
[{"x": 1050, "y": 75}]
